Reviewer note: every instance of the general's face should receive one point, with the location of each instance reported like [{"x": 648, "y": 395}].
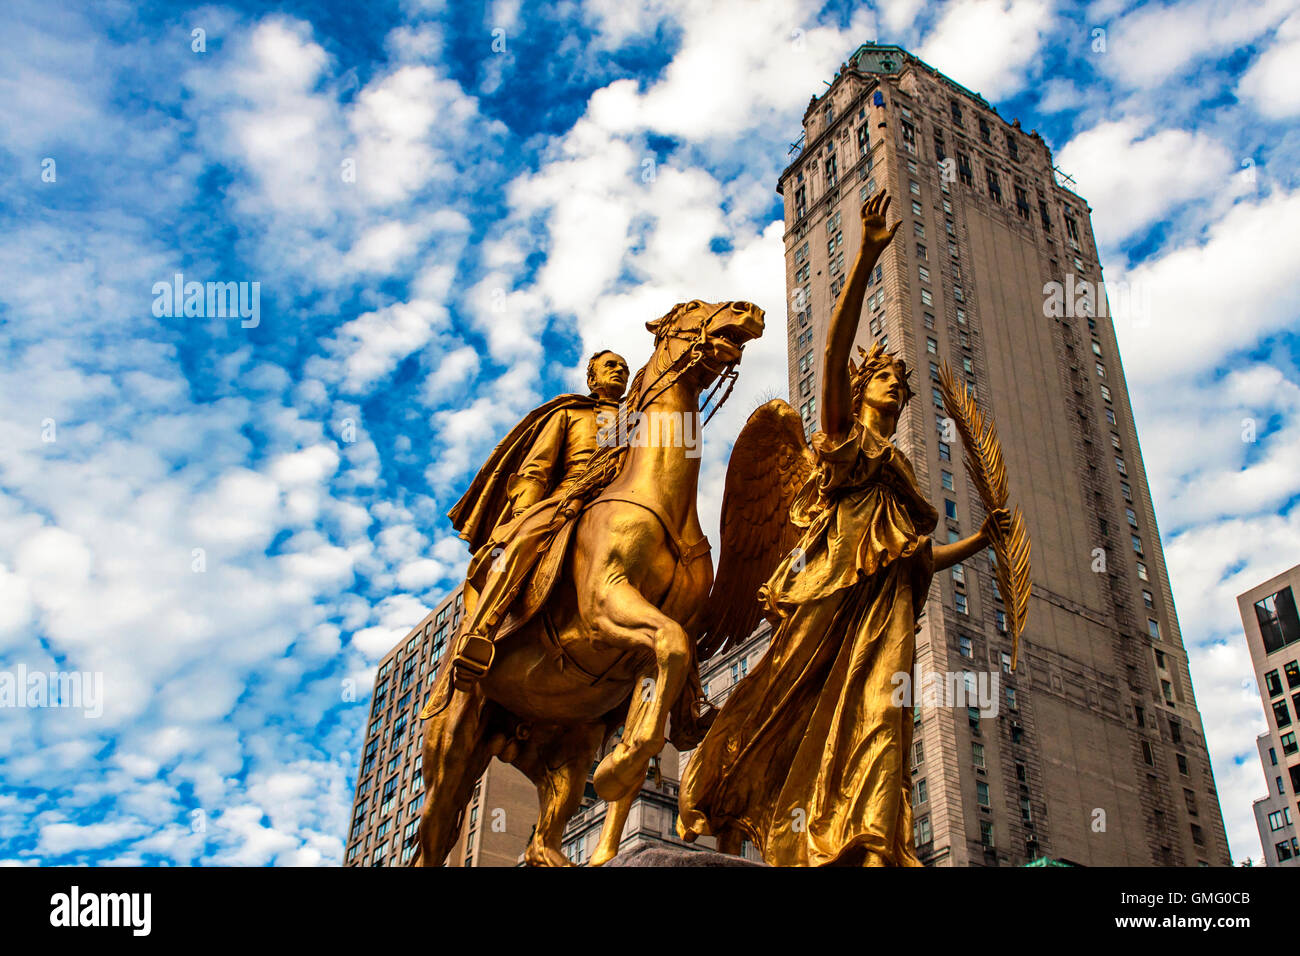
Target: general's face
[
  {"x": 609, "y": 375},
  {"x": 885, "y": 391}
]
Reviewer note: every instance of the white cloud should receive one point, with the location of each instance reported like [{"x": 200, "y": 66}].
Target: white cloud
[
  {"x": 773, "y": 56},
  {"x": 1152, "y": 44},
  {"x": 1215, "y": 296},
  {"x": 1273, "y": 80},
  {"x": 988, "y": 46},
  {"x": 1132, "y": 176}
]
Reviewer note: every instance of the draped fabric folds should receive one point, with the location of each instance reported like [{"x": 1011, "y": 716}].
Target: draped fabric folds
[{"x": 809, "y": 755}]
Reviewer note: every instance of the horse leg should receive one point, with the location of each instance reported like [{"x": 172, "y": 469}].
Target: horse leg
[
  {"x": 622, "y": 617},
  {"x": 557, "y": 761},
  {"x": 611, "y": 834},
  {"x": 731, "y": 840},
  {"x": 456, "y": 752}
]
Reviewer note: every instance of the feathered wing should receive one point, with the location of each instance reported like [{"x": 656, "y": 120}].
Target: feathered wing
[
  {"x": 769, "y": 463},
  {"x": 988, "y": 473}
]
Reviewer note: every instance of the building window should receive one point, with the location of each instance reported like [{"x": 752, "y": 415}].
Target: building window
[
  {"x": 1147, "y": 599},
  {"x": 1153, "y": 628},
  {"x": 1022, "y": 203},
  {"x": 809, "y": 409},
  {"x": 919, "y": 794},
  {"x": 964, "y": 170},
  {"x": 1000, "y": 621},
  {"x": 1289, "y": 746},
  {"x": 1281, "y": 713},
  {"x": 950, "y": 508},
  {"x": 946, "y": 479},
  {"x": 945, "y": 453},
  {"x": 964, "y": 646},
  {"x": 1278, "y": 621},
  {"x": 926, "y": 297},
  {"x": 959, "y": 577},
  {"x": 922, "y": 834},
  {"x": 994, "y": 187},
  {"x": 1274, "y": 683},
  {"x": 1142, "y": 571},
  {"x": 982, "y": 793}
]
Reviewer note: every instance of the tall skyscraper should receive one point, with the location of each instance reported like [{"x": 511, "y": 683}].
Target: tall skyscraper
[
  {"x": 1097, "y": 754},
  {"x": 1272, "y": 626},
  {"x": 390, "y": 789}
]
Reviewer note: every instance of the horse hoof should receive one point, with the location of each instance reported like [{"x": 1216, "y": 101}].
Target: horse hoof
[{"x": 538, "y": 855}]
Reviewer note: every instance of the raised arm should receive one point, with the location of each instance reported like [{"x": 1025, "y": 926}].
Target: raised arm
[{"x": 836, "y": 399}]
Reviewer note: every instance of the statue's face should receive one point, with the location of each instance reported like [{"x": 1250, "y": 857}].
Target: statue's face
[
  {"x": 608, "y": 376},
  {"x": 885, "y": 391}
]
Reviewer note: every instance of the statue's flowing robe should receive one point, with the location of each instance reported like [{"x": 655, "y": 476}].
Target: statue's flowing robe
[
  {"x": 485, "y": 504},
  {"x": 809, "y": 756}
]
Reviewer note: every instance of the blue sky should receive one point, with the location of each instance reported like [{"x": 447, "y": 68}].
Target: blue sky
[{"x": 512, "y": 210}]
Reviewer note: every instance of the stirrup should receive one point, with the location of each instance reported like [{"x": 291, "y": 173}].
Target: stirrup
[{"x": 472, "y": 661}]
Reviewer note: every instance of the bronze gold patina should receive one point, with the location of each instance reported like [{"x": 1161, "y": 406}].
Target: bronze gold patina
[{"x": 591, "y": 599}]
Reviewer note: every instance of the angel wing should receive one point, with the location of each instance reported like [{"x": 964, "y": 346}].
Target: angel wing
[{"x": 769, "y": 463}]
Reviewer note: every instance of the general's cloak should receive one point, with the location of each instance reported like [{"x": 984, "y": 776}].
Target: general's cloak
[{"x": 483, "y": 506}]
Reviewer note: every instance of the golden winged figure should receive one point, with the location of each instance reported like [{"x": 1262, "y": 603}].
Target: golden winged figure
[{"x": 808, "y": 756}]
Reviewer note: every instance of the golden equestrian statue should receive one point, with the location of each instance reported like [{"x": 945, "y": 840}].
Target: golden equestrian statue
[
  {"x": 601, "y": 631},
  {"x": 808, "y": 758}
]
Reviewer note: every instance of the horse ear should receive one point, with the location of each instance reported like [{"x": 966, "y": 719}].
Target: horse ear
[{"x": 655, "y": 325}]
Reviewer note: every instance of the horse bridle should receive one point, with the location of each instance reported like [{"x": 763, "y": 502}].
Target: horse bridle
[{"x": 688, "y": 360}]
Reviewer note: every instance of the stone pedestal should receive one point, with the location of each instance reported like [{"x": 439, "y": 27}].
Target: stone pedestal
[{"x": 673, "y": 857}]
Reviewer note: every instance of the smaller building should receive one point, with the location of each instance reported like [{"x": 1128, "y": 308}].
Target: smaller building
[
  {"x": 1272, "y": 626},
  {"x": 1273, "y": 819}
]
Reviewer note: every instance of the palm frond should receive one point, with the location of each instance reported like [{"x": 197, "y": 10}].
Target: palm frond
[{"x": 988, "y": 473}]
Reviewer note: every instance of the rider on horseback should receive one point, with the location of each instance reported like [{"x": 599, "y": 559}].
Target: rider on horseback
[{"x": 512, "y": 512}]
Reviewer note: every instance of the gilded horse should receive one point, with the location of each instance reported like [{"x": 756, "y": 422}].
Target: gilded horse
[{"x": 613, "y": 639}]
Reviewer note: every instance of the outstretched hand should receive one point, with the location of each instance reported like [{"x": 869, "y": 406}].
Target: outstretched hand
[
  {"x": 875, "y": 233},
  {"x": 996, "y": 526}
]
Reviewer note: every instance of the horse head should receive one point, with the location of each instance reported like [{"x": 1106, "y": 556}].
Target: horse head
[{"x": 699, "y": 341}]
